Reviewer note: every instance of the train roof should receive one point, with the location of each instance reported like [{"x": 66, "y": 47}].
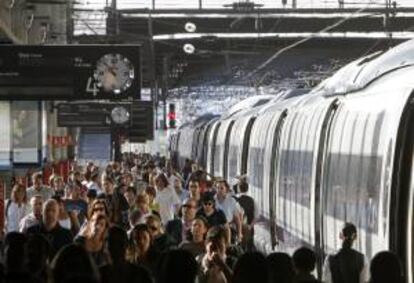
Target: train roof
[
  {"x": 289, "y": 99},
  {"x": 281, "y": 100},
  {"x": 362, "y": 72},
  {"x": 247, "y": 104},
  {"x": 199, "y": 121}
]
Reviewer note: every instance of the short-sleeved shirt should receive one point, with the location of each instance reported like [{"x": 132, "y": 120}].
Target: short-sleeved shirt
[
  {"x": 216, "y": 218},
  {"x": 58, "y": 237},
  {"x": 168, "y": 200},
  {"x": 229, "y": 206},
  {"x": 14, "y": 214}
]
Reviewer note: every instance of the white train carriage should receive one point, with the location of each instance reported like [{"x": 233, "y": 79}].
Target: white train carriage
[{"x": 342, "y": 153}]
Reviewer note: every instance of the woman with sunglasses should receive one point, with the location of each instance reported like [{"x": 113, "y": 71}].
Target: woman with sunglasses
[{"x": 93, "y": 237}]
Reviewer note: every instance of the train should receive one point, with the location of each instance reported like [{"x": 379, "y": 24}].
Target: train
[{"x": 340, "y": 152}]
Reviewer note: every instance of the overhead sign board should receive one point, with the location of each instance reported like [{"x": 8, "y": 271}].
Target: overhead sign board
[
  {"x": 137, "y": 117},
  {"x": 69, "y": 72},
  {"x": 91, "y": 114},
  {"x": 142, "y": 122}
]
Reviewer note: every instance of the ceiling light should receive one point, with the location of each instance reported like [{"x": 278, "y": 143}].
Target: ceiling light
[
  {"x": 188, "y": 48},
  {"x": 190, "y": 27}
]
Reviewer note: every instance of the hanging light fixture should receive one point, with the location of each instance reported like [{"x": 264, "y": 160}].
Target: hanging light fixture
[
  {"x": 188, "y": 48},
  {"x": 190, "y": 27}
]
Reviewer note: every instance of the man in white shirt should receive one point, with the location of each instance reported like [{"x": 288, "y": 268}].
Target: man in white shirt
[
  {"x": 38, "y": 188},
  {"x": 178, "y": 187},
  {"x": 93, "y": 183},
  {"x": 33, "y": 218},
  {"x": 229, "y": 206}
]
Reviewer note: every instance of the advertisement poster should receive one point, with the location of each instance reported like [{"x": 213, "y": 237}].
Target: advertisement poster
[
  {"x": 5, "y": 135},
  {"x": 26, "y": 131}
]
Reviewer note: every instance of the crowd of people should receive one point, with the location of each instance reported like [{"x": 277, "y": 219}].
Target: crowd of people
[{"x": 141, "y": 220}]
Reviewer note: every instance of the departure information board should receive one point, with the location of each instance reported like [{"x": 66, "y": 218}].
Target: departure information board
[{"x": 69, "y": 72}]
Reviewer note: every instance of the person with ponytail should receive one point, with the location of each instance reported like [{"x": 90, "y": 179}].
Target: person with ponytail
[{"x": 347, "y": 265}]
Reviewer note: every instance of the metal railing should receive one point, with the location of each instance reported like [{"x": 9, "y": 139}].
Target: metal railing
[
  {"x": 89, "y": 16},
  {"x": 226, "y": 4}
]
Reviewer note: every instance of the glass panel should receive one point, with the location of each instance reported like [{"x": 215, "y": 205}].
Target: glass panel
[
  {"x": 353, "y": 185},
  {"x": 26, "y": 131},
  {"x": 233, "y": 156},
  {"x": 256, "y": 163},
  {"x": 5, "y": 140},
  {"x": 217, "y": 154},
  {"x": 296, "y": 176}
]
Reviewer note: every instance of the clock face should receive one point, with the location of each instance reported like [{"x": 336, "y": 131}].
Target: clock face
[
  {"x": 120, "y": 115},
  {"x": 114, "y": 73}
]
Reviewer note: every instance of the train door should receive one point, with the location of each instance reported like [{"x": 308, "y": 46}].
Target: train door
[
  {"x": 402, "y": 203},
  {"x": 325, "y": 133},
  {"x": 410, "y": 230},
  {"x": 272, "y": 184},
  {"x": 226, "y": 149}
]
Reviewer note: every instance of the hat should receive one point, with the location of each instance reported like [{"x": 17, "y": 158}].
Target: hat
[{"x": 207, "y": 196}]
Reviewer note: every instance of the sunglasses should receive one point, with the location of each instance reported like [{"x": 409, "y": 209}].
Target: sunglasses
[
  {"x": 208, "y": 203},
  {"x": 99, "y": 209},
  {"x": 188, "y": 206},
  {"x": 153, "y": 228}
]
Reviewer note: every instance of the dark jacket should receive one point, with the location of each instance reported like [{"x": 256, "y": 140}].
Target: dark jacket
[
  {"x": 346, "y": 266},
  {"x": 58, "y": 237},
  {"x": 175, "y": 228},
  {"x": 217, "y": 218}
]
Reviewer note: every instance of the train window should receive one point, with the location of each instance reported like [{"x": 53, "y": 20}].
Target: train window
[
  {"x": 290, "y": 171},
  {"x": 232, "y": 163},
  {"x": 256, "y": 157},
  {"x": 353, "y": 172},
  {"x": 295, "y": 168}
]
